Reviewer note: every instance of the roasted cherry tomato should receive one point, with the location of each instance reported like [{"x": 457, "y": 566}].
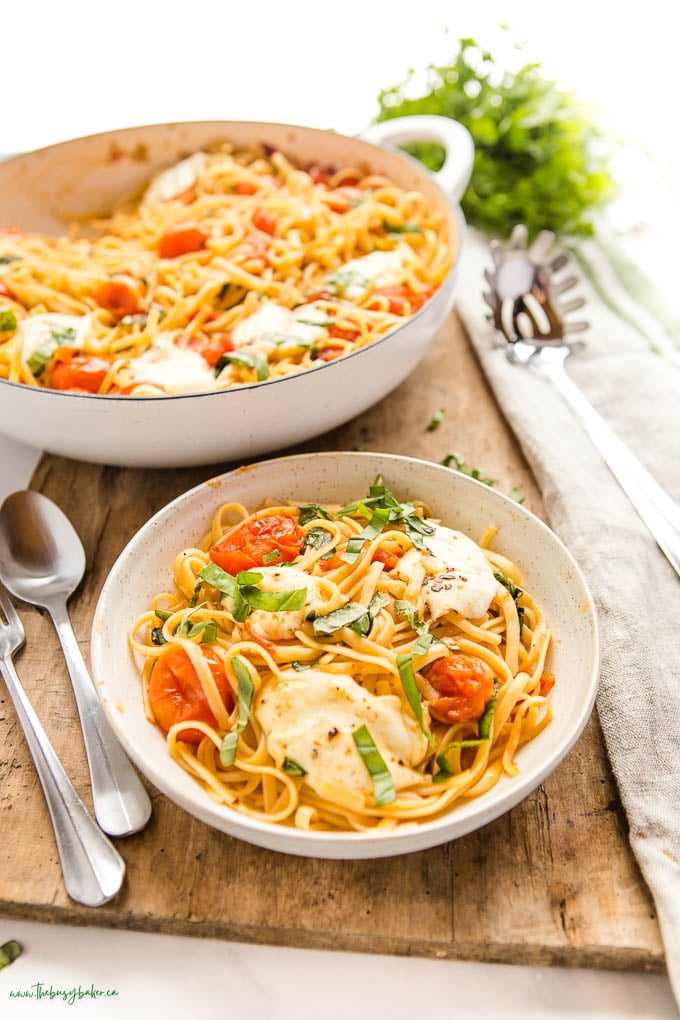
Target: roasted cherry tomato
[
  {"x": 251, "y": 634},
  {"x": 343, "y": 334},
  {"x": 176, "y": 693},
  {"x": 5, "y": 291},
  {"x": 121, "y": 295},
  {"x": 245, "y": 547},
  {"x": 181, "y": 240},
  {"x": 71, "y": 370},
  {"x": 209, "y": 347},
  {"x": 332, "y": 563},
  {"x": 465, "y": 683},
  {"x": 547, "y": 683},
  {"x": 330, "y": 353},
  {"x": 320, "y": 175},
  {"x": 401, "y": 300},
  {"x": 264, "y": 221},
  {"x": 388, "y": 559}
]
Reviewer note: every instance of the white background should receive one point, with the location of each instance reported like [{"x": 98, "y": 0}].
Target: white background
[{"x": 71, "y": 68}]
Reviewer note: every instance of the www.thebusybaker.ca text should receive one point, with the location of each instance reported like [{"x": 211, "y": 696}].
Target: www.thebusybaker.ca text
[{"x": 69, "y": 995}]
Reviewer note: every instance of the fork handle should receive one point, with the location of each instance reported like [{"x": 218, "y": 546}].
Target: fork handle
[
  {"x": 659, "y": 512},
  {"x": 93, "y": 869}
]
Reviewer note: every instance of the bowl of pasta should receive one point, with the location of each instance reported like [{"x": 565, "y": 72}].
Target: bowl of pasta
[
  {"x": 345, "y": 655},
  {"x": 192, "y": 293}
]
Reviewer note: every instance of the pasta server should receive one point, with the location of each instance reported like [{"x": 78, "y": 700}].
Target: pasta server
[{"x": 527, "y": 308}]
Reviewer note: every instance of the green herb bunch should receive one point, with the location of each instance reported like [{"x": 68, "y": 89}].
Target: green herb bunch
[{"x": 538, "y": 157}]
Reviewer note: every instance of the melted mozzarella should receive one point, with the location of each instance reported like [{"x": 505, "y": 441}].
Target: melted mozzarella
[
  {"x": 310, "y": 717},
  {"x": 281, "y": 626},
  {"x": 175, "y": 369},
  {"x": 176, "y": 179},
  {"x": 380, "y": 268},
  {"x": 273, "y": 326},
  {"x": 457, "y": 574},
  {"x": 37, "y": 330}
]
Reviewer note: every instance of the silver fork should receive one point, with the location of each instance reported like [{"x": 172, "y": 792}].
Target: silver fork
[
  {"x": 93, "y": 869},
  {"x": 524, "y": 308}
]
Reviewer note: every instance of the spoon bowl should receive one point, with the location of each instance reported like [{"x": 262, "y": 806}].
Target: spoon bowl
[{"x": 42, "y": 561}]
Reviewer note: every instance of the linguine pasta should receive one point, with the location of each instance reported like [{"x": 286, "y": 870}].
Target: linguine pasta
[
  {"x": 231, "y": 268},
  {"x": 344, "y": 668}
]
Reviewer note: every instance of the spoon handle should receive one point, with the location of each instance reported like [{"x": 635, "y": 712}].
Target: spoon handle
[
  {"x": 121, "y": 804},
  {"x": 93, "y": 869}
]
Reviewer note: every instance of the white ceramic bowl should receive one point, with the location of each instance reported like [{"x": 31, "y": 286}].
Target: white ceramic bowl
[
  {"x": 549, "y": 572},
  {"x": 47, "y": 189}
]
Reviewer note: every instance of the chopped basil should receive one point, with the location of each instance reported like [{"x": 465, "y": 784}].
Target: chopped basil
[
  {"x": 310, "y": 512},
  {"x": 322, "y": 322},
  {"x": 317, "y": 538},
  {"x": 5, "y": 260},
  {"x": 375, "y": 526},
  {"x": 271, "y": 557},
  {"x": 157, "y": 636},
  {"x": 483, "y": 730},
  {"x": 329, "y": 555},
  {"x": 246, "y": 689},
  {"x": 8, "y": 320},
  {"x": 383, "y": 785},
  {"x": 339, "y": 281},
  {"x": 246, "y": 595},
  {"x": 245, "y": 360},
  {"x": 240, "y": 607},
  {"x": 289, "y": 340},
  {"x": 407, "y": 609},
  {"x": 436, "y": 419},
  {"x": 141, "y": 318},
  {"x": 343, "y": 617},
  {"x": 362, "y": 626},
  {"x": 300, "y": 667},
  {"x": 515, "y": 593},
  {"x": 516, "y": 494},
  {"x": 193, "y": 601},
  {"x": 380, "y": 497},
  {"x": 162, "y": 614},
  {"x": 465, "y": 469},
  {"x": 360, "y": 199},
  {"x": 42, "y": 355},
  {"x": 218, "y": 578},
  {"x": 408, "y": 677},
  {"x": 9, "y": 953},
  {"x": 401, "y": 228},
  {"x": 249, "y": 577},
  {"x": 292, "y": 768},
  {"x": 274, "y": 601},
  {"x": 208, "y": 631}
]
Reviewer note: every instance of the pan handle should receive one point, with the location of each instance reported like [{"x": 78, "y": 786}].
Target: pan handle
[{"x": 453, "y": 137}]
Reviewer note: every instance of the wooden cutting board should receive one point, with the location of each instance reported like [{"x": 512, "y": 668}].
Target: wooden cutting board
[{"x": 553, "y": 881}]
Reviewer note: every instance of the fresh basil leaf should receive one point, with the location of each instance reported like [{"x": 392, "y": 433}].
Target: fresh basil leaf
[
  {"x": 245, "y": 360},
  {"x": 157, "y": 636},
  {"x": 329, "y": 555},
  {"x": 6, "y": 260},
  {"x": 516, "y": 594},
  {"x": 246, "y": 689},
  {"x": 249, "y": 577},
  {"x": 436, "y": 419},
  {"x": 184, "y": 625},
  {"x": 375, "y": 526},
  {"x": 408, "y": 677},
  {"x": 361, "y": 626},
  {"x": 383, "y": 784},
  {"x": 483, "y": 730},
  {"x": 489, "y": 712},
  {"x": 339, "y": 281},
  {"x": 288, "y": 340},
  {"x": 407, "y": 609},
  {"x": 300, "y": 667},
  {"x": 465, "y": 469},
  {"x": 343, "y": 617},
  {"x": 401, "y": 228},
  {"x": 42, "y": 355},
  {"x": 310, "y": 512},
  {"x": 162, "y": 614},
  {"x": 292, "y": 768},
  {"x": 141, "y": 318},
  {"x": 208, "y": 630},
  {"x": 378, "y": 602},
  {"x": 317, "y": 538},
  {"x": 193, "y": 601},
  {"x": 240, "y": 607},
  {"x": 8, "y": 320},
  {"x": 218, "y": 578},
  {"x": 322, "y": 322},
  {"x": 271, "y": 557},
  {"x": 274, "y": 601}
]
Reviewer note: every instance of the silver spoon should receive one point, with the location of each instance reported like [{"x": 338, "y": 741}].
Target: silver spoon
[{"x": 42, "y": 561}]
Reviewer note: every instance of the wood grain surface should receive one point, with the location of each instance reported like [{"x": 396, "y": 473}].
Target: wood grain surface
[{"x": 553, "y": 881}]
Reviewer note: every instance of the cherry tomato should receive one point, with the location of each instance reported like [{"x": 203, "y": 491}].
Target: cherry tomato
[
  {"x": 245, "y": 547},
  {"x": 401, "y": 300},
  {"x": 333, "y": 563},
  {"x": 209, "y": 347},
  {"x": 5, "y": 291},
  {"x": 121, "y": 295},
  {"x": 330, "y": 353},
  {"x": 251, "y": 188},
  {"x": 181, "y": 240},
  {"x": 254, "y": 635},
  {"x": 547, "y": 683},
  {"x": 343, "y": 334},
  {"x": 71, "y": 370},
  {"x": 320, "y": 175},
  {"x": 465, "y": 683},
  {"x": 176, "y": 693},
  {"x": 264, "y": 221},
  {"x": 388, "y": 559}
]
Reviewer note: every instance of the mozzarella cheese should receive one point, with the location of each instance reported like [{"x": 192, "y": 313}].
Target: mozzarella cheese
[
  {"x": 310, "y": 717},
  {"x": 281, "y": 626},
  {"x": 175, "y": 369},
  {"x": 176, "y": 179},
  {"x": 457, "y": 574},
  {"x": 380, "y": 268},
  {"x": 37, "y": 330},
  {"x": 273, "y": 326}
]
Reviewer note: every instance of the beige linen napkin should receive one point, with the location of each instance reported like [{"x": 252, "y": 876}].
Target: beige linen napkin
[{"x": 636, "y": 591}]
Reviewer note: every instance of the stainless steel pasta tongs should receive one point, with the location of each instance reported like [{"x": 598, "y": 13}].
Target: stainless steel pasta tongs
[{"x": 527, "y": 308}]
